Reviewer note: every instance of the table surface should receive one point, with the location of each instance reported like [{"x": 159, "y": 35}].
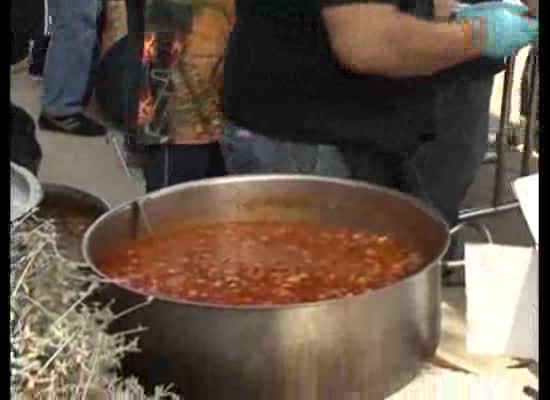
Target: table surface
[{"x": 475, "y": 375}]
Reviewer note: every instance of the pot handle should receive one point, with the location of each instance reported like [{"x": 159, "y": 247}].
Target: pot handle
[{"x": 480, "y": 228}]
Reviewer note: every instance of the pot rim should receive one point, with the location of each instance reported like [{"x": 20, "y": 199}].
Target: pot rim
[
  {"x": 56, "y": 185},
  {"x": 36, "y": 191},
  {"x": 432, "y": 213}
]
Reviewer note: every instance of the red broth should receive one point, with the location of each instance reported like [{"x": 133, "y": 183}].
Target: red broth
[{"x": 261, "y": 263}]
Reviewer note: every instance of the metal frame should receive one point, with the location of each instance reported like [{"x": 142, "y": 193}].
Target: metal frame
[
  {"x": 530, "y": 129},
  {"x": 471, "y": 217},
  {"x": 499, "y": 158}
]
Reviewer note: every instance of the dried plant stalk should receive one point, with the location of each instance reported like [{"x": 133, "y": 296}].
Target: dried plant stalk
[{"x": 60, "y": 348}]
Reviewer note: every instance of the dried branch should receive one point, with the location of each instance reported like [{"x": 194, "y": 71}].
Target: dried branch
[{"x": 60, "y": 348}]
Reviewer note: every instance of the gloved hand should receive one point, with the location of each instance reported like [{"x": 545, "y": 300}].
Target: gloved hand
[{"x": 503, "y": 28}]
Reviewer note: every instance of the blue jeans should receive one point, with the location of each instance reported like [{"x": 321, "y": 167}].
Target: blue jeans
[
  {"x": 70, "y": 55},
  {"x": 246, "y": 152}
]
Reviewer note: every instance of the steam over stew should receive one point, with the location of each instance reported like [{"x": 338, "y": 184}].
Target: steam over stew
[{"x": 261, "y": 263}]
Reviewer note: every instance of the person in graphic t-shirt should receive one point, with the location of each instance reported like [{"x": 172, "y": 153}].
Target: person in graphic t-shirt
[{"x": 180, "y": 120}]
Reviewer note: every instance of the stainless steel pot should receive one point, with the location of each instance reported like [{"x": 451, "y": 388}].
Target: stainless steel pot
[
  {"x": 25, "y": 192},
  {"x": 363, "y": 347},
  {"x": 63, "y": 203}
]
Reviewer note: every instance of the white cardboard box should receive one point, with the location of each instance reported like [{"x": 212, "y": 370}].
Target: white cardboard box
[
  {"x": 526, "y": 190},
  {"x": 502, "y": 300},
  {"x": 502, "y": 288}
]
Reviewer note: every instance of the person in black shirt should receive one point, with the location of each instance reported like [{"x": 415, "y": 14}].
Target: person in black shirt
[{"x": 371, "y": 90}]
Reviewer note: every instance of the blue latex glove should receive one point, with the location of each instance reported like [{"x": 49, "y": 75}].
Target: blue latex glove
[{"x": 504, "y": 29}]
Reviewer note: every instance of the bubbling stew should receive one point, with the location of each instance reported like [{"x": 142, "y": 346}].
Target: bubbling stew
[{"x": 261, "y": 263}]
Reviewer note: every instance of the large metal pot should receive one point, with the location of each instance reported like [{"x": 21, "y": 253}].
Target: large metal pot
[{"x": 363, "y": 347}]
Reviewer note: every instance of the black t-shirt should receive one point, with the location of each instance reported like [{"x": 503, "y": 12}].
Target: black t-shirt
[{"x": 282, "y": 80}]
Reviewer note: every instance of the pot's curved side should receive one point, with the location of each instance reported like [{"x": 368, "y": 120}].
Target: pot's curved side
[
  {"x": 370, "y": 346},
  {"x": 91, "y": 200}
]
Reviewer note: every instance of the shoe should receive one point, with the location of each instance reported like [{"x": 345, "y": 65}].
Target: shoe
[
  {"x": 37, "y": 57},
  {"x": 75, "y": 124}
]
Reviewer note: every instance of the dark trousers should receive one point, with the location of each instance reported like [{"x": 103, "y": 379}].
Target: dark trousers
[
  {"x": 168, "y": 165},
  {"x": 27, "y": 22},
  {"x": 448, "y": 165}
]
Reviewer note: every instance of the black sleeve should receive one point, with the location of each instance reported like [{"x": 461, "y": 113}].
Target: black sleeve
[
  {"x": 273, "y": 8},
  {"x": 328, "y": 3},
  {"x": 403, "y": 5}
]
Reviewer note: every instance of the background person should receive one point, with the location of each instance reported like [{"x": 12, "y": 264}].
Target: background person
[
  {"x": 68, "y": 67},
  {"x": 180, "y": 120},
  {"x": 39, "y": 45}
]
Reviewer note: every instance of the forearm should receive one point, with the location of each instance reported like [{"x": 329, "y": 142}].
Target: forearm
[
  {"x": 420, "y": 48},
  {"x": 399, "y": 45}
]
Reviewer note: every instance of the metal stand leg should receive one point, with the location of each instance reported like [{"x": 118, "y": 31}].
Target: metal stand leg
[
  {"x": 503, "y": 128},
  {"x": 531, "y": 128},
  {"x": 470, "y": 217},
  {"x": 499, "y": 158}
]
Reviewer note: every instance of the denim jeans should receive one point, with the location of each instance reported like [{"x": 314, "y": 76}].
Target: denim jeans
[
  {"x": 70, "y": 55},
  {"x": 246, "y": 152}
]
